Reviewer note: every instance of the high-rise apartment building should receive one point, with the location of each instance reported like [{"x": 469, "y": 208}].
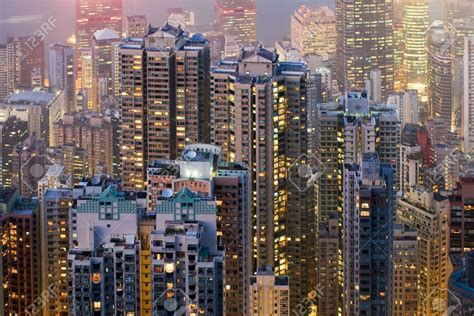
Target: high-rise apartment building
[
  {"x": 404, "y": 291},
  {"x": 62, "y": 73},
  {"x": 9, "y": 66},
  {"x": 105, "y": 280},
  {"x": 54, "y": 240},
  {"x": 269, "y": 294},
  {"x": 313, "y": 31},
  {"x": 14, "y": 132},
  {"x": 136, "y": 26},
  {"x": 20, "y": 264},
  {"x": 365, "y": 41},
  {"x": 237, "y": 18},
  {"x": 165, "y": 98},
  {"x": 186, "y": 265},
  {"x": 368, "y": 211},
  {"x": 428, "y": 213},
  {"x": 92, "y": 132},
  {"x": 344, "y": 132},
  {"x": 201, "y": 171},
  {"x": 94, "y": 15},
  {"x": 266, "y": 129},
  {"x": 461, "y": 222}
]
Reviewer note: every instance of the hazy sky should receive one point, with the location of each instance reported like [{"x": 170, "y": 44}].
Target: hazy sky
[{"x": 23, "y": 17}]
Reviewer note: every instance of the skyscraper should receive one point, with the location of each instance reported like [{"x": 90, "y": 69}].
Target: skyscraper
[
  {"x": 368, "y": 232},
  {"x": 440, "y": 72},
  {"x": 415, "y": 24},
  {"x": 20, "y": 256},
  {"x": 62, "y": 73},
  {"x": 54, "y": 248},
  {"x": 313, "y": 31},
  {"x": 237, "y": 18},
  {"x": 165, "y": 98},
  {"x": 467, "y": 112},
  {"x": 404, "y": 271},
  {"x": 266, "y": 129},
  {"x": 344, "y": 133},
  {"x": 187, "y": 266},
  {"x": 461, "y": 237},
  {"x": 365, "y": 41},
  {"x": 14, "y": 131},
  {"x": 427, "y": 212},
  {"x": 94, "y": 15}
]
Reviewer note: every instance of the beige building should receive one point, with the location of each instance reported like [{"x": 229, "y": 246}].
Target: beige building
[
  {"x": 427, "y": 212},
  {"x": 165, "y": 98},
  {"x": 313, "y": 31},
  {"x": 269, "y": 294},
  {"x": 405, "y": 271}
]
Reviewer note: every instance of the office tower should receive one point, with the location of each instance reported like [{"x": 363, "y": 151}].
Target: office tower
[
  {"x": 373, "y": 85},
  {"x": 94, "y": 15},
  {"x": 186, "y": 266},
  {"x": 427, "y": 212},
  {"x": 14, "y": 131},
  {"x": 439, "y": 73},
  {"x": 415, "y": 24},
  {"x": 136, "y": 26},
  {"x": 102, "y": 50},
  {"x": 365, "y": 41},
  {"x": 20, "y": 263},
  {"x": 237, "y": 18},
  {"x": 269, "y": 293},
  {"x": 105, "y": 280},
  {"x": 29, "y": 165},
  {"x": 461, "y": 288},
  {"x": 159, "y": 119},
  {"x": 88, "y": 81},
  {"x": 467, "y": 112},
  {"x": 92, "y": 132},
  {"x": 62, "y": 72},
  {"x": 461, "y": 237},
  {"x": 368, "y": 210},
  {"x": 345, "y": 131},
  {"x": 313, "y": 31},
  {"x": 54, "y": 248},
  {"x": 266, "y": 130},
  {"x": 404, "y": 271}
]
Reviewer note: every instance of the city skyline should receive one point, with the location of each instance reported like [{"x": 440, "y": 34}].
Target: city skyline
[{"x": 157, "y": 165}]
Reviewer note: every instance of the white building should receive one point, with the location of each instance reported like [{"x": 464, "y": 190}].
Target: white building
[{"x": 269, "y": 294}]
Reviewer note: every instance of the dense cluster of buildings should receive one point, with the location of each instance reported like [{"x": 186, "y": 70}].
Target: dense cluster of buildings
[{"x": 189, "y": 170}]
